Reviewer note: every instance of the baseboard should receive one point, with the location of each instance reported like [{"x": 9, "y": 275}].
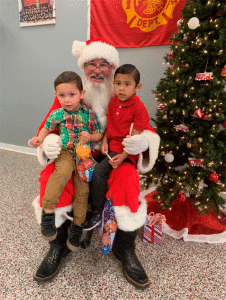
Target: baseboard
[{"x": 16, "y": 148}]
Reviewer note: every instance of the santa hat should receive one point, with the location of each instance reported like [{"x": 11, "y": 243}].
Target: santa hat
[{"x": 95, "y": 49}]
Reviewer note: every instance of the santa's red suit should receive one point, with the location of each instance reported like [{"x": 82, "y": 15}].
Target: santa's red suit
[
  {"x": 123, "y": 180},
  {"x": 127, "y": 174}
]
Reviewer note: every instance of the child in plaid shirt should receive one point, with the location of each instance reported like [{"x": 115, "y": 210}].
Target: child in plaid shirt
[{"x": 76, "y": 123}]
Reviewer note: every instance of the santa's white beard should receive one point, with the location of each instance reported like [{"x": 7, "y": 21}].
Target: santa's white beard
[{"x": 98, "y": 96}]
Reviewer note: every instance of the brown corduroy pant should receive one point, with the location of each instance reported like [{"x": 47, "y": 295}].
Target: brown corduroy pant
[{"x": 64, "y": 167}]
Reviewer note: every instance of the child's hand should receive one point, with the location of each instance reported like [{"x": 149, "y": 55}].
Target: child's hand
[
  {"x": 84, "y": 137},
  {"x": 116, "y": 160},
  {"x": 104, "y": 147},
  {"x": 35, "y": 141}
]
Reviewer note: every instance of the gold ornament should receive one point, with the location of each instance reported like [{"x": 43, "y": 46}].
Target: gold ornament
[
  {"x": 189, "y": 145},
  {"x": 200, "y": 140},
  {"x": 210, "y": 164}
]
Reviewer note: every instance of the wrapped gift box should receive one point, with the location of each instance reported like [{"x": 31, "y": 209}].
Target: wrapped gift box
[{"x": 153, "y": 228}]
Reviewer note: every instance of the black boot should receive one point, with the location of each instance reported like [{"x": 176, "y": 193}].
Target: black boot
[
  {"x": 50, "y": 265},
  {"x": 123, "y": 249}
]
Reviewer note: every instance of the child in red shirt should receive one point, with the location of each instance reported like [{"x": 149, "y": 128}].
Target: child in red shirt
[{"x": 124, "y": 109}]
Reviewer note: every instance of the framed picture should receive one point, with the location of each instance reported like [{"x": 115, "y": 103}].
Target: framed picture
[{"x": 36, "y": 12}]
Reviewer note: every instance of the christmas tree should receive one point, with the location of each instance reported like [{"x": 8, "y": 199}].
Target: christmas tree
[{"x": 191, "y": 111}]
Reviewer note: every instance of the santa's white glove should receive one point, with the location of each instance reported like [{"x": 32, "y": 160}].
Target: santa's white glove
[
  {"x": 52, "y": 146},
  {"x": 49, "y": 150},
  {"x": 135, "y": 144}
]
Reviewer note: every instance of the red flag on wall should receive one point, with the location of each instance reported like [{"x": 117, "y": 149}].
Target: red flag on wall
[{"x": 134, "y": 23}]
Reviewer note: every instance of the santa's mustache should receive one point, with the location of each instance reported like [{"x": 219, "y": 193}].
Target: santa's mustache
[{"x": 98, "y": 76}]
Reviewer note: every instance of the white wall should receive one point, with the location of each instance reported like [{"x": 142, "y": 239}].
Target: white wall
[{"x": 32, "y": 57}]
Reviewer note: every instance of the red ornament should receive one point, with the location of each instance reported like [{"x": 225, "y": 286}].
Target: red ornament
[
  {"x": 181, "y": 197},
  {"x": 214, "y": 177},
  {"x": 199, "y": 113},
  {"x": 204, "y": 76},
  {"x": 223, "y": 73},
  {"x": 206, "y": 117},
  {"x": 160, "y": 105},
  {"x": 185, "y": 38},
  {"x": 193, "y": 162},
  {"x": 224, "y": 123}
]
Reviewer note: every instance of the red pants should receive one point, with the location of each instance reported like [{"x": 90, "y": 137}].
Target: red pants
[{"x": 123, "y": 186}]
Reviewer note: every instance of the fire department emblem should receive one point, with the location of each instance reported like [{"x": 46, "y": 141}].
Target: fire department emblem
[{"x": 148, "y": 14}]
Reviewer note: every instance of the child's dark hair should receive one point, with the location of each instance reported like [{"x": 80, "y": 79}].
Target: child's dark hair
[
  {"x": 67, "y": 77},
  {"x": 130, "y": 70}
]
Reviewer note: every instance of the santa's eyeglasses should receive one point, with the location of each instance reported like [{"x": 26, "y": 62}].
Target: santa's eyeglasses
[{"x": 102, "y": 67}]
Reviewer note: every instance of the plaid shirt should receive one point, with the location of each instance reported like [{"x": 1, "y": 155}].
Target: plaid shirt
[{"x": 71, "y": 124}]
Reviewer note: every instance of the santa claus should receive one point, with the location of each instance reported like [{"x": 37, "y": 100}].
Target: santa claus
[{"x": 98, "y": 61}]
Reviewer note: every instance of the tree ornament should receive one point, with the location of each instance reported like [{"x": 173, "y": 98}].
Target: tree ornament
[
  {"x": 188, "y": 145},
  {"x": 204, "y": 76},
  {"x": 200, "y": 140},
  {"x": 199, "y": 114},
  {"x": 181, "y": 127},
  {"x": 193, "y": 23},
  {"x": 169, "y": 157},
  {"x": 193, "y": 162},
  {"x": 223, "y": 73},
  {"x": 171, "y": 56},
  {"x": 160, "y": 105},
  {"x": 224, "y": 123},
  {"x": 179, "y": 23},
  {"x": 210, "y": 164},
  {"x": 181, "y": 197},
  {"x": 213, "y": 176},
  {"x": 185, "y": 38}
]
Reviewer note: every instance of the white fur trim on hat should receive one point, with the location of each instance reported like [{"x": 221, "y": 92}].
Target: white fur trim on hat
[
  {"x": 95, "y": 50},
  {"x": 60, "y": 212},
  {"x": 145, "y": 166},
  {"x": 128, "y": 221}
]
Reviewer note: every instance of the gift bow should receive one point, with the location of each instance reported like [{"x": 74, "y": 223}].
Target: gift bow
[{"x": 156, "y": 219}]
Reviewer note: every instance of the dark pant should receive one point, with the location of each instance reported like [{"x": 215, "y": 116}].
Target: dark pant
[
  {"x": 99, "y": 186},
  {"x": 99, "y": 183}
]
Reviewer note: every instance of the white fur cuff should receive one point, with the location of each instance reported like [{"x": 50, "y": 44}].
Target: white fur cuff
[
  {"x": 153, "y": 142},
  {"x": 60, "y": 212},
  {"x": 128, "y": 221}
]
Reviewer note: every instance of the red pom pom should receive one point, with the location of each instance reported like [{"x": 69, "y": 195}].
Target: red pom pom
[{"x": 214, "y": 177}]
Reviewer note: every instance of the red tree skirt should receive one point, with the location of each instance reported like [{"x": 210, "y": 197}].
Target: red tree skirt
[{"x": 184, "y": 221}]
